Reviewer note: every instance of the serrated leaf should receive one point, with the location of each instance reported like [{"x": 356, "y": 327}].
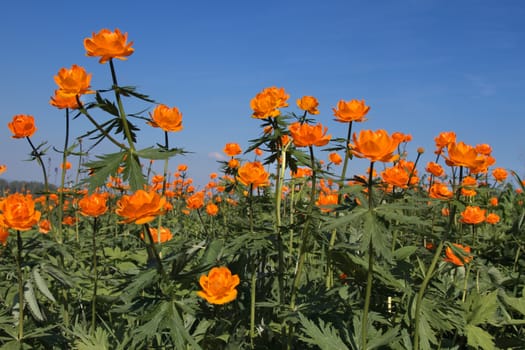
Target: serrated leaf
[
  {"x": 324, "y": 335},
  {"x": 133, "y": 173},
  {"x": 42, "y": 285},
  {"x": 158, "y": 154},
  {"x": 478, "y": 338},
  {"x": 517, "y": 304},
  {"x": 481, "y": 308},
  {"x": 104, "y": 167},
  {"x": 30, "y": 298},
  {"x": 380, "y": 340}
]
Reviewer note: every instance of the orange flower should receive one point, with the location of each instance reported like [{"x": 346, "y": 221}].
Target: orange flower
[
  {"x": 63, "y": 100},
  {"x": 3, "y": 168},
  {"x": 44, "y": 226},
  {"x": 141, "y": 207},
  {"x": 212, "y": 209},
  {"x": 461, "y": 154},
  {"x": 326, "y": 200},
  {"x": 66, "y": 166},
  {"x": 376, "y": 145},
  {"x": 473, "y": 215},
  {"x": 464, "y": 258},
  {"x": 335, "y": 158},
  {"x": 266, "y": 103},
  {"x": 302, "y": 172},
  {"x": 168, "y": 119},
  {"x": 182, "y": 167},
  {"x": 93, "y": 205},
  {"x": 396, "y": 176},
  {"x": 69, "y": 220},
  {"x": 73, "y": 81},
  {"x": 165, "y": 234},
  {"x": 258, "y": 151},
  {"x": 492, "y": 218},
  {"x": 500, "y": 174},
  {"x": 444, "y": 139},
  {"x": 305, "y": 135},
  {"x": 195, "y": 201},
  {"x": 233, "y": 163},
  {"x": 232, "y": 149},
  {"x": 351, "y": 111},
  {"x": 494, "y": 201},
  {"x": 253, "y": 173},
  {"x": 107, "y": 45},
  {"x": 435, "y": 169},
  {"x": 4, "y": 235},
  {"x": 440, "y": 191},
  {"x": 484, "y": 149},
  {"x": 18, "y": 212},
  {"x": 308, "y": 104},
  {"x": 22, "y": 126},
  {"x": 467, "y": 186},
  {"x": 218, "y": 287}
]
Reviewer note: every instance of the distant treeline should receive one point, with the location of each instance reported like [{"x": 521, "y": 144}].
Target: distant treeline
[{"x": 23, "y": 186}]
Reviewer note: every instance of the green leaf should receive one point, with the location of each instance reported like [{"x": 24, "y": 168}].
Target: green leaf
[
  {"x": 478, "y": 338},
  {"x": 30, "y": 298},
  {"x": 517, "y": 304},
  {"x": 158, "y": 153},
  {"x": 104, "y": 167},
  {"x": 404, "y": 252},
  {"x": 324, "y": 336},
  {"x": 42, "y": 285},
  {"x": 133, "y": 173},
  {"x": 481, "y": 308},
  {"x": 379, "y": 340}
]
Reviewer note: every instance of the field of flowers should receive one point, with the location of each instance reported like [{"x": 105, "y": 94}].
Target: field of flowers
[{"x": 284, "y": 248}]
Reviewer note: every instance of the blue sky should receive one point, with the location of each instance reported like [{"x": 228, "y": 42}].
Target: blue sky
[{"x": 424, "y": 66}]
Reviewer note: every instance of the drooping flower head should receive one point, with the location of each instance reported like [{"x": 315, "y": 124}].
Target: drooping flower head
[
  {"x": 22, "y": 125},
  {"x": 376, "y": 145},
  {"x": 351, "y": 111},
  {"x": 465, "y": 257},
  {"x": 166, "y": 118},
  {"x": 140, "y": 207},
  {"x": 266, "y": 103},
  {"x": 219, "y": 286},
  {"x": 17, "y": 211},
  {"x": 305, "y": 135},
  {"x": 107, "y": 45},
  {"x": 253, "y": 174},
  {"x": 308, "y": 104}
]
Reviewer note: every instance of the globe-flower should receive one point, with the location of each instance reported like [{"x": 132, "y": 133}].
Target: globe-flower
[
  {"x": 444, "y": 139},
  {"x": 253, "y": 174},
  {"x": 396, "y": 176},
  {"x": 219, "y": 286},
  {"x": 465, "y": 257},
  {"x": 212, "y": 209},
  {"x": 22, "y": 125},
  {"x": 308, "y": 104},
  {"x": 140, "y": 207},
  {"x": 435, "y": 169},
  {"x": 73, "y": 81},
  {"x": 195, "y": 201},
  {"x": 440, "y": 191},
  {"x": 18, "y": 212},
  {"x": 63, "y": 100},
  {"x": 232, "y": 149},
  {"x": 492, "y": 218},
  {"x": 351, "y": 111},
  {"x": 461, "y": 154},
  {"x": 107, "y": 45},
  {"x": 93, "y": 205},
  {"x": 305, "y": 135},
  {"x": 266, "y": 103},
  {"x": 473, "y": 215},
  {"x": 166, "y": 118},
  {"x": 326, "y": 201},
  {"x": 165, "y": 234},
  {"x": 375, "y": 145},
  {"x": 335, "y": 158},
  {"x": 500, "y": 174}
]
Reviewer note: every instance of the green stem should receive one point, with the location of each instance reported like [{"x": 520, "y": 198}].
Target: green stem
[
  {"x": 95, "y": 278},
  {"x": 253, "y": 283},
  {"x": 20, "y": 286},
  {"x": 63, "y": 180},
  {"x": 370, "y": 272},
  {"x": 153, "y": 250},
  {"x": 122, "y": 113},
  {"x": 38, "y": 156}
]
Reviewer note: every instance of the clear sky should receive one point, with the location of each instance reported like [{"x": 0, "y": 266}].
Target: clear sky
[{"x": 424, "y": 66}]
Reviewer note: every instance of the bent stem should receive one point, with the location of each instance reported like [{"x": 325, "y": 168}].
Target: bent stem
[
  {"x": 20, "y": 286},
  {"x": 370, "y": 272}
]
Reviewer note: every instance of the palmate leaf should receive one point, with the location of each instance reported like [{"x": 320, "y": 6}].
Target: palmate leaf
[
  {"x": 104, "y": 167},
  {"x": 133, "y": 173},
  {"x": 323, "y": 335},
  {"x": 481, "y": 308},
  {"x": 479, "y": 338}
]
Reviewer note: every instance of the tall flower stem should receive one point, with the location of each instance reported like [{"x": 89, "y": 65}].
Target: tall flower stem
[
  {"x": 95, "y": 278},
  {"x": 153, "y": 250},
  {"x": 370, "y": 272},
  {"x": 36, "y": 153},
  {"x": 329, "y": 274},
  {"x": 63, "y": 179},
  {"x": 122, "y": 113},
  {"x": 253, "y": 282},
  {"x": 20, "y": 286},
  {"x": 278, "y": 200}
]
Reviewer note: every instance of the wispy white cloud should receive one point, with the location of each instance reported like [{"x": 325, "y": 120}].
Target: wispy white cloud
[{"x": 216, "y": 156}]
